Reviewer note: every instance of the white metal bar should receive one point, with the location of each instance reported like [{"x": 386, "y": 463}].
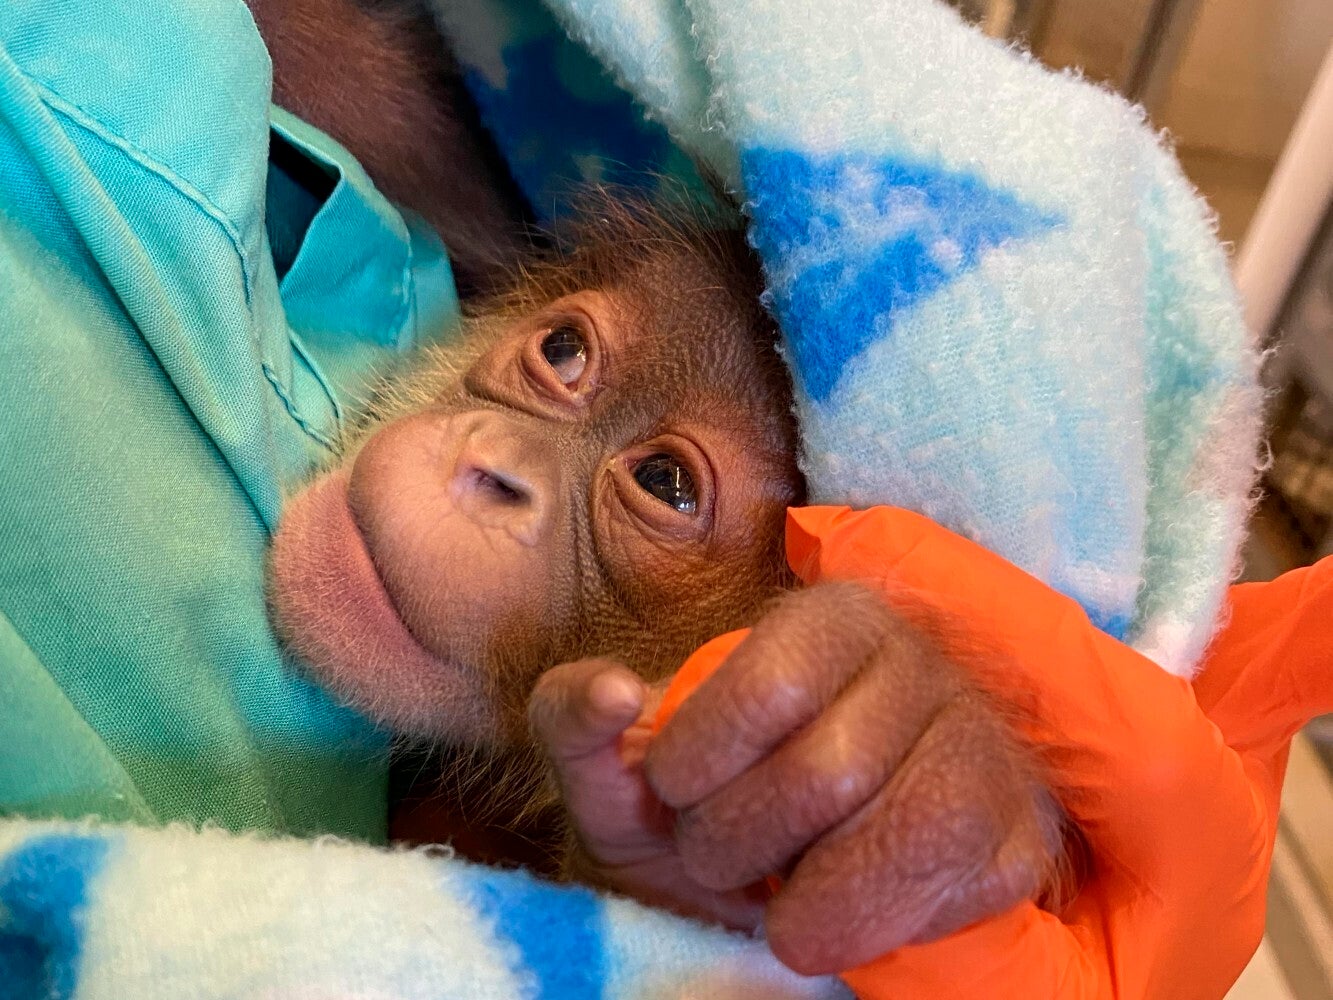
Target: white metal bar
[
  {"x": 999, "y": 19},
  {"x": 1293, "y": 206}
]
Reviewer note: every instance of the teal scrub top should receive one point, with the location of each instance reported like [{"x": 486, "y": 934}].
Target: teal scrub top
[{"x": 184, "y": 313}]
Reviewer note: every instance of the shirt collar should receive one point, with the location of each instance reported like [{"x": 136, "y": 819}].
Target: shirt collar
[{"x": 351, "y": 278}]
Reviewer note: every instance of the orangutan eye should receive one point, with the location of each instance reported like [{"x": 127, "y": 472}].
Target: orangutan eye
[
  {"x": 668, "y": 480},
  {"x": 566, "y": 352}
]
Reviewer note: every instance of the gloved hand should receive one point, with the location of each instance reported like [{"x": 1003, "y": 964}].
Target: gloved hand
[{"x": 1178, "y": 808}]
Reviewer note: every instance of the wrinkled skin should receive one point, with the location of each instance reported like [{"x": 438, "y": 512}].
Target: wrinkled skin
[
  {"x": 837, "y": 745},
  {"x": 491, "y": 547}
]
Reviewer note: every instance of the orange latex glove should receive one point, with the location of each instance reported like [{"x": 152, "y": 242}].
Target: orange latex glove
[{"x": 1179, "y": 807}]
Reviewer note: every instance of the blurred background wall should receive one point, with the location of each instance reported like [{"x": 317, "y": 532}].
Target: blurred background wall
[{"x": 1225, "y": 77}]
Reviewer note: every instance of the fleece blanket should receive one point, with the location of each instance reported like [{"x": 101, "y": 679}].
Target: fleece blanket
[
  {"x": 1004, "y": 305},
  {"x": 117, "y": 913}
]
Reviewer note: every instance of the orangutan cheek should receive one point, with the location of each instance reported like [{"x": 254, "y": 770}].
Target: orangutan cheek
[{"x": 334, "y": 614}]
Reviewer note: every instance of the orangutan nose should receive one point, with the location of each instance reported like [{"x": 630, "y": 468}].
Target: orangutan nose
[
  {"x": 505, "y": 488},
  {"x": 504, "y": 479}
]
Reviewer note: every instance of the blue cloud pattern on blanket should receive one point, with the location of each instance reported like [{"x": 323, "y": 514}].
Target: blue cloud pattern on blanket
[
  {"x": 850, "y": 239},
  {"x": 557, "y": 931},
  {"x": 43, "y": 891}
]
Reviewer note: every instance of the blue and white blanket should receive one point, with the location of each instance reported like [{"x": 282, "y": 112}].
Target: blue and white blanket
[{"x": 105, "y": 913}]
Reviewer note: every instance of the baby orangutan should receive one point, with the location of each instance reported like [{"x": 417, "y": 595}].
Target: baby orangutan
[{"x": 551, "y": 511}]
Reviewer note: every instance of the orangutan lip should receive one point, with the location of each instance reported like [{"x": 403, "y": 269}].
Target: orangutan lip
[{"x": 340, "y": 481}]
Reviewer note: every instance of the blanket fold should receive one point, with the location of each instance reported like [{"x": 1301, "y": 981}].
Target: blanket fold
[{"x": 1004, "y": 305}]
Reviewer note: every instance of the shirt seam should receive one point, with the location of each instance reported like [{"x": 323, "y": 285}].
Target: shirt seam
[
  {"x": 407, "y": 312},
  {"x": 292, "y": 409},
  {"x": 99, "y": 130},
  {"x": 84, "y": 119}
]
